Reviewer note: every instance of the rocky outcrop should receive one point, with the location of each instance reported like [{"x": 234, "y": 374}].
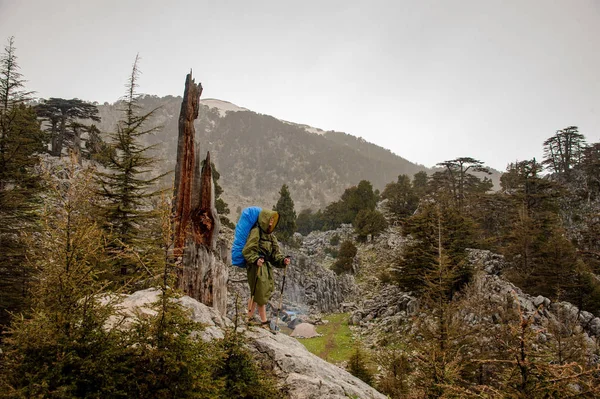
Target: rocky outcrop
[
  {"x": 496, "y": 289},
  {"x": 301, "y": 374},
  {"x": 389, "y": 309},
  {"x": 310, "y": 286},
  {"x": 391, "y": 305}
]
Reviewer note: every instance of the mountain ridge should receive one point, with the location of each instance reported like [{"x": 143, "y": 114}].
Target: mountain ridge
[{"x": 256, "y": 154}]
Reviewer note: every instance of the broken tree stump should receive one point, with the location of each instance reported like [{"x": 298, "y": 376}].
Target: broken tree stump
[{"x": 201, "y": 269}]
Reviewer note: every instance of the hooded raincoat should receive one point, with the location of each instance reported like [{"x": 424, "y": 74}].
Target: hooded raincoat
[{"x": 262, "y": 243}]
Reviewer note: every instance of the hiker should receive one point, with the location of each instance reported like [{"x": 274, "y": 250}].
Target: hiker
[{"x": 261, "y": 253}]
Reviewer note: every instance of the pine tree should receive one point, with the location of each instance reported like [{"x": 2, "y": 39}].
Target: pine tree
[
  {"x": 369, "y": 223},
  {"x": 64, "y": 117},
  {"x": 74, "y": 344},
  {"x": 440, "y": 341},
  {"x": 420, "y": 258},
  {"x": 396, "y": 368},
  {"x": 419, "y": 184},
  {"x": 345, "y": 258},
  {"x": 287, "y": 215},
  {"x": 564, "y": 150},
  {"x": 457, "y": 182},
  {"x": 166, "y": 358},
  {"x": 239, "y": 372},
  {"x": 12, "y": 85},
  {"x": 357, "y": 365},
  {"x": 524, "y": 370},
  {"x": 59, "y": 346},
  {"x": 20, "y": 143},
  {"x": 126, "y": 188},
  {"x": 305, "y": 221},
  {"x": 353, "y": 200},
  {"x": 402, "y": 199}
]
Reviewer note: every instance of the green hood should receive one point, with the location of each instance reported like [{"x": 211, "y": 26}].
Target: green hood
[{"x": 263, "y": 220}]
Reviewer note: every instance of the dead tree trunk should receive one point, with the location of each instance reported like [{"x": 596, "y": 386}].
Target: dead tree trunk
[{"x": 201, "y": 270}]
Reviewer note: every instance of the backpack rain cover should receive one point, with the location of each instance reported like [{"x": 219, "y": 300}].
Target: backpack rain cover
[{"x": 248, "y": 219}]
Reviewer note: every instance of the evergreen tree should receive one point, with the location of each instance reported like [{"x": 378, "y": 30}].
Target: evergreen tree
[
  {"x": 352, "y": 201},
  {"x": 357, "y": 366},
  {"x": 402, "y": 199},
  {"x": 95, "y": 147},
  {"x": 74, "y": 344},
  {"x": 58, "y": 348},
  {"x": 239, "y": 372},
  {"x": 345, "y": 258},
  {"x": 543, "y": 260},
  {"x": 524, "y": 370},
  {"x": 287, "y": 215},
  {"x": 420, "y": 258},
  {"x": 524, "y": 184},
  {"x": 20, "y": 143},
  {"x": 396, "y": 366},
  {"x": 125, "y": 187},
  {"x": 591, "y": 167},
  {"x": 305, "y": 222},
  {"x": 12, "y": 84},
  {"x": 64, "y": 117},
  {"x": 419, "y": 184},
  {"x": 441, "y": 339},
  {"x": 369, "y": 223},
  {"x": 457, "y": 182},
  {"x": 564, "y": 150},
  {"x": 165, "y": 357}
]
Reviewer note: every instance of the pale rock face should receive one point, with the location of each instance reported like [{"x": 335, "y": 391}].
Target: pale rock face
[
  {"x": 302, "y": 374},
  {"x": 305, "y": 375}
]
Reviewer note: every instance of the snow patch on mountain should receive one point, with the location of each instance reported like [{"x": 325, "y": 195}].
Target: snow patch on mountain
[
  {"x": 226, "y": 106},
  {"x": 309, "y": 129},
  {"x": 222, "y": 106}
]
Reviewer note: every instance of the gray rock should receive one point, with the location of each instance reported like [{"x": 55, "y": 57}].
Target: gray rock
[
  {"x": 412, "y": 306},
  {"x": 302, "y": 374},
  {"x": 585, "y": 317},
  {"x": 594, "y": 327},
  {"x": 355, "y": 319},
  {"x": 540, "y": 300},
  {"x": 488, "y": 261}
]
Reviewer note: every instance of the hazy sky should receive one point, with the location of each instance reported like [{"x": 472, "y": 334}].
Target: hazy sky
[{"x": 429, "y": 80}]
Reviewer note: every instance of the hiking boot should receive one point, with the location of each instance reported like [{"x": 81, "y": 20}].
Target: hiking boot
[
  {"x": 253, "y": 322},
  {"x": 267, "y": 326}
]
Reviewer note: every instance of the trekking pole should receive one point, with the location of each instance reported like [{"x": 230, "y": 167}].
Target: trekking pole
[{"x": 274, "y": 325}]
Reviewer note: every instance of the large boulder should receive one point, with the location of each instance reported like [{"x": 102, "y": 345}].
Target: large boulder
[{"x": 301, "y": 374}]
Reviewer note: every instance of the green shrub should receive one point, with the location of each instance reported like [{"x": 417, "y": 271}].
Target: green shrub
[
  {"x": 241, "y": 376},
  {"x": 357, "y": 366},
  {"x": 345, "y": 259},
  {"x": 335, "y": 239}
]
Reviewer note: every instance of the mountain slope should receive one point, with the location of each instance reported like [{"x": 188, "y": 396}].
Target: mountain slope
[{"x": 256, "y": 154}]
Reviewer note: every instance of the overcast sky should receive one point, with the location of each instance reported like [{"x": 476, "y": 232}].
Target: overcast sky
[{"x": 429, "y": 80}]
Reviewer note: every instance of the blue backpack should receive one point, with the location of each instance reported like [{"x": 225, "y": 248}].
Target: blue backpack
[{"x": 248, "y": 219}]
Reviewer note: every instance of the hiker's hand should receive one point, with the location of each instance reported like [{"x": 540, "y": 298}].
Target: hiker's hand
[
  {"x": 260, "y": 261},
  {"x": 286, "y": 261}
]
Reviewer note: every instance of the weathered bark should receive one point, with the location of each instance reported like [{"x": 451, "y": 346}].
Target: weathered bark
[
  {"x": 201, "y": 270},
  {"x": 184, "y": 168}
]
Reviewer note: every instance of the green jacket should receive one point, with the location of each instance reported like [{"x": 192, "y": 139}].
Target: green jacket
[{"x": 262, "y": 243}]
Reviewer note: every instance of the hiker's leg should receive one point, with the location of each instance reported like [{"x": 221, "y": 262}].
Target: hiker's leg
[{"x": 262, "y": 312}]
